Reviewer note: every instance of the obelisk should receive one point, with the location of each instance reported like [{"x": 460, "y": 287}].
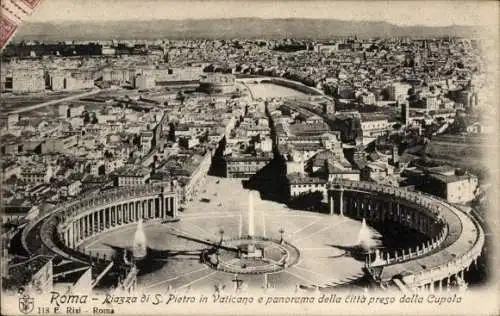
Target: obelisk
[{"x": 251, "y": 224}]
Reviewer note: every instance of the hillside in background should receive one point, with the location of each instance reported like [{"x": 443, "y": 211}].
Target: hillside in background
[{"x": 248, "y": 28}]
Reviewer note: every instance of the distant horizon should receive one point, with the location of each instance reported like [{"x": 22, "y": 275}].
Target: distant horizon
[
  {"x": 227, "y": 28},
  {"x": 399, "y": 13},
  {"x": 251, "y": 18}
]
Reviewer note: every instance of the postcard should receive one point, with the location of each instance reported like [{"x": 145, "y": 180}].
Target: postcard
[{"x": 249, "y": 157}]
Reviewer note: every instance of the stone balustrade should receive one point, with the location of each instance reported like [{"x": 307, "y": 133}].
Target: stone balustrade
[
  {"x": 458, "y": 233},
  {"x": 385, "y": 258}
]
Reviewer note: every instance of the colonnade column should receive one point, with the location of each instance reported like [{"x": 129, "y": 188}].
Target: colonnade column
[
  {"x": 165, "y": 207},
  {"x": 118, "y": 215},
  {"x": 85, "y": 225},
  {"x": 172, "y": 207},
  {"x": 73, "y": 233},
  {"x": 129, "y": 212},
  {"x": 77, "y": 230},
  {"x": 341, "y": 202},
  {"x": 109, "y": 217},
  {"x": 91, "y": 224},
  {"x": 331, "y": 203},
  {"x": 88, "y": 224},
  {"x": 111, "y": 214},
  {"x": 68, "y": 237},
  {"x": 168, "y": 205},
  {"x": 99, "y": 221},
  {"x": 96, "y": 221},
  {"x": 87, "y": 218},
  {"x": 102, "y": 220}
]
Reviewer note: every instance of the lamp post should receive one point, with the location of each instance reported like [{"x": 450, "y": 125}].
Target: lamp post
[
  {"x": 221, "y": 232},
  {"x": 281, "y": 231}
]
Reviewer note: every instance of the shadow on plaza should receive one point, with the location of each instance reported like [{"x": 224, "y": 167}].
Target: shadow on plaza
[
  {"x": 154, "y": 260},
  {"x": 309, "y": 201},
  {"x": 270, "y": 181},
  {"x": 356, "y": 252},
  {"x": 218, "y": 165},
  {"x": 395, "y": 236},
  {"x": 213, "y": 246}
]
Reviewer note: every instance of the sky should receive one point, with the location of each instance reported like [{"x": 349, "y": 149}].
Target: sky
[{"x": 428, "y": 13}]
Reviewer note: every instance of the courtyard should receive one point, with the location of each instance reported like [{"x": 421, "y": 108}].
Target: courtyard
[{"x": 270, "y": 90}]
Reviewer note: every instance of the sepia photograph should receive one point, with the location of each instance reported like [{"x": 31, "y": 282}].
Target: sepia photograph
[{"x": 249, "y": 157}]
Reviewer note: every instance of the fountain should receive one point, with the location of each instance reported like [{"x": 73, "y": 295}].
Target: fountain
[
  {"x": 139, "y": 250},
  {"x": 252, "y": 254},
  {"x": 365, "y": 238}
]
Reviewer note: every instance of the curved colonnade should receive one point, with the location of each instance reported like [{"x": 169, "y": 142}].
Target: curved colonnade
[
  {"x": 64, "y": 228},
  {"x": 455, "y": 240}
]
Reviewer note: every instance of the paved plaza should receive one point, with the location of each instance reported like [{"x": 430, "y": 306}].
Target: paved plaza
[{"x": 226, "y": 213}]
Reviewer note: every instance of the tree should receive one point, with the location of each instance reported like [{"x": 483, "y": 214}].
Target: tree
[
  {"x": 108, "y": 154},
  {"x": 171, "y": 132},
  {"x": 180, "y": 97},
  {"x": 86, "y": 118},
  {"x": 93, "y": 119}
]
